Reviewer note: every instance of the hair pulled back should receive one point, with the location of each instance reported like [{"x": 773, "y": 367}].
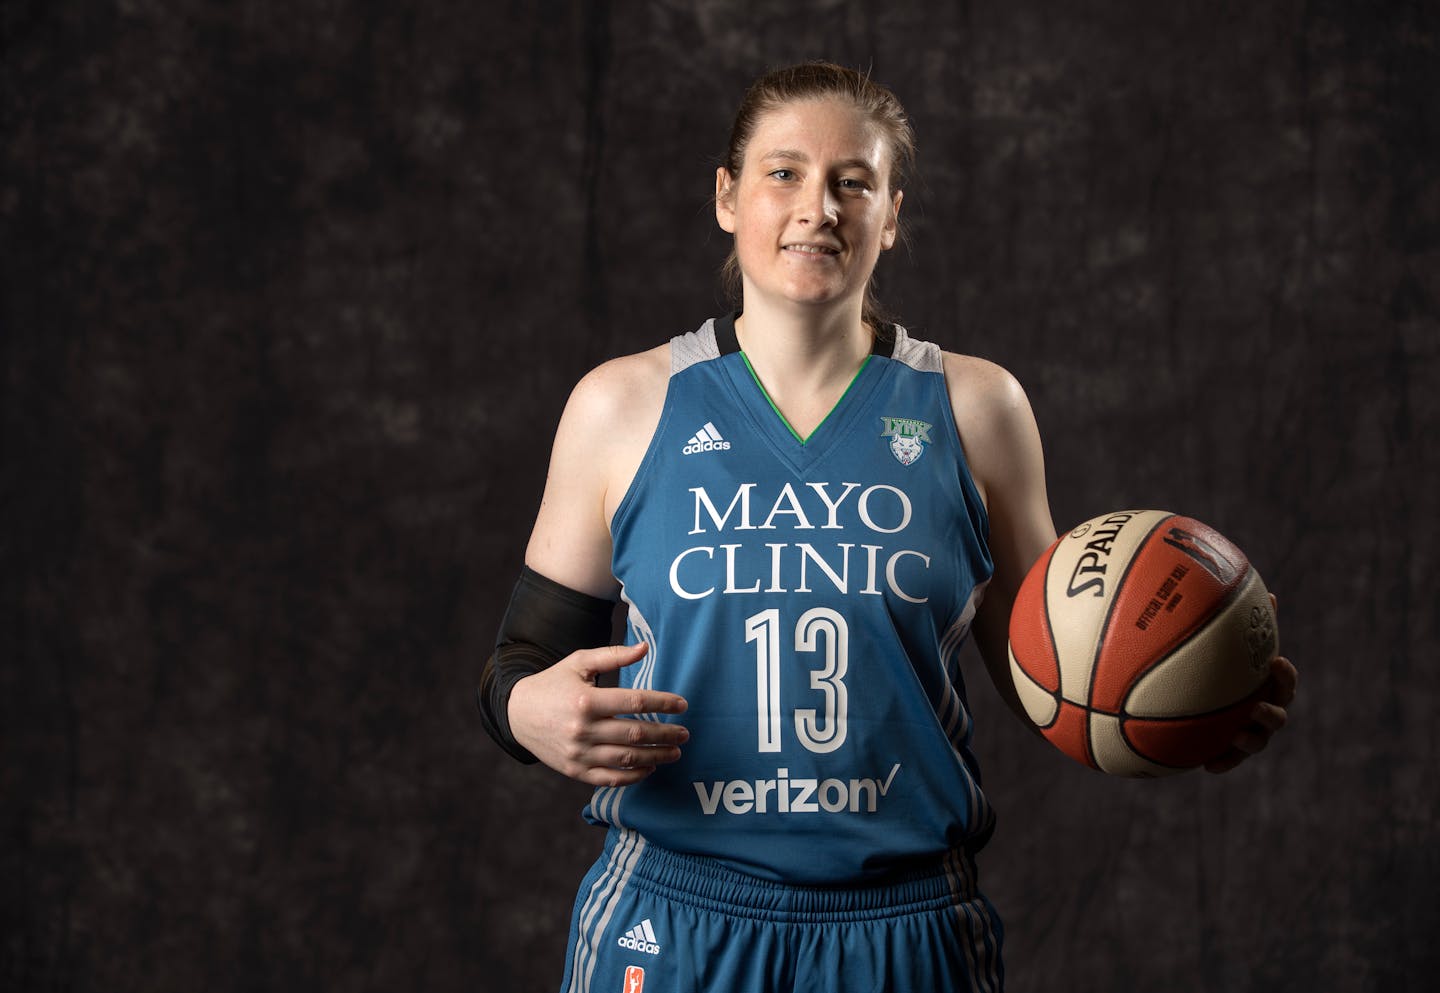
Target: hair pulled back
[{"x": 817, "y": 81}]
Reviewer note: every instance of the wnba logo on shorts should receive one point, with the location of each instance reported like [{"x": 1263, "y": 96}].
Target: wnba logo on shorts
[{"x": 634, "y": 979}]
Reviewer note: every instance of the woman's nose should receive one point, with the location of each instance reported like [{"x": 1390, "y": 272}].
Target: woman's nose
[{"x": 821, "y": 206}]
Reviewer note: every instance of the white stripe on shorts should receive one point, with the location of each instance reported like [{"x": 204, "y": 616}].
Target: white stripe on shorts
[{"x": 600, "y": 906}]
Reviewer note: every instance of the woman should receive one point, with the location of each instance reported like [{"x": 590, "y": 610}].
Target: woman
[{"x": 805, "y": 511}]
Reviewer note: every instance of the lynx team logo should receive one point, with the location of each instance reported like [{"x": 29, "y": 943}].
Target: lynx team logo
[{"x": 907, "y": 438}]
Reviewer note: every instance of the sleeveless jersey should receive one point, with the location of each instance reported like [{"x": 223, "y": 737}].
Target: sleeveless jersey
[{"x": 809, "y": 600}]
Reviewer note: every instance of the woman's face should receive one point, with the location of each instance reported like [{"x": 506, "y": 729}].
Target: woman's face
[{"x": 812, "y": 208}]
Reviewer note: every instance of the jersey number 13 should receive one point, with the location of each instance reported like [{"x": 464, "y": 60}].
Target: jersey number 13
[{"x": 820, "y": 630}]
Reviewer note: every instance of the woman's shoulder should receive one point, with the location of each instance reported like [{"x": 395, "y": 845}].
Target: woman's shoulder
[
  {"x": 609, "y": 420},
  {"x": 980, "y": 387},
  {"x": 993, "y": 417},
  {"x": 623, "y": 387}
]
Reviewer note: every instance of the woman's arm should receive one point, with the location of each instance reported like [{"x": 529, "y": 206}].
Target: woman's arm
[
  {"x": 1002, "y": 445},
  {"x": 559, "y": 714}
]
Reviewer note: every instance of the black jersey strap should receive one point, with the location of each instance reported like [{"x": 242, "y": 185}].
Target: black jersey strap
[
  {"x": 544, "y": 622},
  {"x": 882, "y": 342}
]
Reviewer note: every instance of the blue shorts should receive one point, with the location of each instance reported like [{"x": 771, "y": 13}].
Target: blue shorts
[{"x": 648, "y": 920}]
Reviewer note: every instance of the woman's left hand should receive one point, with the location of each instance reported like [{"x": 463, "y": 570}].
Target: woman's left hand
[{"x": 1268, "y": 716}]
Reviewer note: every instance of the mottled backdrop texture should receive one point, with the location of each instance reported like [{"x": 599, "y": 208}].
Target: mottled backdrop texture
[{"x": 293, "y": 294}]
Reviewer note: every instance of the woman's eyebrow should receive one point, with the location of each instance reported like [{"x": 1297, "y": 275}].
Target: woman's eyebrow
[{"x": 792, "y": 155}]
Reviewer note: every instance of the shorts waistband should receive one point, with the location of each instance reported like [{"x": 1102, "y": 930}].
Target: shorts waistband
[{"x": 710, "y": 884}]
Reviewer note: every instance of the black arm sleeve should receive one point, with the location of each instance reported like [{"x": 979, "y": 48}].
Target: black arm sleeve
[{"x": 544, "y": 623}]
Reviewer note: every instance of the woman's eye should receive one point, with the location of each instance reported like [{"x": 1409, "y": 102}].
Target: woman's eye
[
  {"x": 853, "y": 185},
  {"x": 783, "y": 174}
]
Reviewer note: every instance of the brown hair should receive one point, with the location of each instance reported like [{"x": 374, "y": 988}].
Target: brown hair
[{"x": 815, "y": 81}]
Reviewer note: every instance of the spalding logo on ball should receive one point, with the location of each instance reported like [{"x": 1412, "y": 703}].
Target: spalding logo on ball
[{"x": 1140, "y": 642}]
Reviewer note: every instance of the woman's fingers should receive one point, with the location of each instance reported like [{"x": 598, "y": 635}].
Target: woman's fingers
[{"x": 614, "y": 702}]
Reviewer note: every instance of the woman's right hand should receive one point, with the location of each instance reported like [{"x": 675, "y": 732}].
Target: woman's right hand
[{"x": 576, "y": 728}]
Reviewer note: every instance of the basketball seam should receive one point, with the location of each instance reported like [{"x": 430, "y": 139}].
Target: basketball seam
[
  {"x": 1104, "y": 632},
  {"x": 1215, "y": 617},
  {"x": 1115, "y": 603},
  {"x": 1058, "y": 693},
  {"x": 1125, "y": 719},
  {"x": 1216, "y": 613}
]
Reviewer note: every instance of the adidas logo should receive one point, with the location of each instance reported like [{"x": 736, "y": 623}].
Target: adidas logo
[
  {"x": 640, "y": 938},
  {"x": 707, "y": 439}
]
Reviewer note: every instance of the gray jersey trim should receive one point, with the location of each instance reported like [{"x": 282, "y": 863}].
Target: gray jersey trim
[
  {"x": 700, "y": 346},
  {"x": 697, "y": 346},
  {"x": 922, "y": 356}
]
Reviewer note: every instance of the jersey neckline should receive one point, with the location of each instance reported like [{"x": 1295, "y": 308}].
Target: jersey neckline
[
  {"x": 882, "y": 342},
  {"x": 801, "y": 454},
  {"x": 727, "y": 342}
]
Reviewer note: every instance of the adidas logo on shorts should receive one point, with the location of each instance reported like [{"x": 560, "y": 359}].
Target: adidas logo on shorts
[
  {"x": 707, "y": 439},
  {"x": 640, "y": 938}
]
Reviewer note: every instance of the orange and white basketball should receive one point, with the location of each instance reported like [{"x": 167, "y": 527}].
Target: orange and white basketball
[{"x": 1140, "y": 642}]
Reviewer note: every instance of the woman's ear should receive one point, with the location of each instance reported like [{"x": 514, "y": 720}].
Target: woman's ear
[
  {"x": 725, "y": 200},
  {"x": 892, "y": 225}
]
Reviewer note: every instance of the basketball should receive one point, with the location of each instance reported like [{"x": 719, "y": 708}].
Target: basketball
[{"x": 1140, "y": 642}]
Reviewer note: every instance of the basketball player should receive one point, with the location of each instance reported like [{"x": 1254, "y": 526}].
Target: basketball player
[{"x": 805, "y": 512}]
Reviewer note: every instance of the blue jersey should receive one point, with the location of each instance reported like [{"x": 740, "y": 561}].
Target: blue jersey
[{"x": 809, "y": 599}]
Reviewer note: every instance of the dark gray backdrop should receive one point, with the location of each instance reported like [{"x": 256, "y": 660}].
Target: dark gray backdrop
[{"x": 294, "y": 293}]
